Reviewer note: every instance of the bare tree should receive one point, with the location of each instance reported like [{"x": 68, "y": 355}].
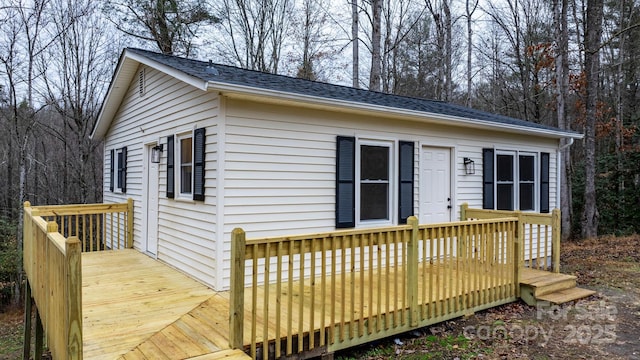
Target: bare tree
[
  {"x": 78, "y": 63},
  {"x": 376, "y": 23},
  {"x": 255, "y": 31},
  {"x": 441, "y": 13},
  {"x": 592, "y": 43},
  {"x": 171, "y": 24},
  {"x": 312, "y": 29},
  {"x": 355, "y": 44},
  {"x": 562, "y": 90},
  {"x": 400, "y": 18},
  {"x": 470, "y": 8}
]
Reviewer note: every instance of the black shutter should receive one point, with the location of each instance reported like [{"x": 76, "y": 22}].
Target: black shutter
[
  {"x": 405, "y": 190},
  {"x": 198, "y": 164},
  {"x": 123, "y": 170},
  {"x": 111, "y": 168},
  {"x": 487, "y": 179},
  {"x": 170, "y": 168},
  {"x": 544, "y": 182},
  {"x": 345, "y": 182}
]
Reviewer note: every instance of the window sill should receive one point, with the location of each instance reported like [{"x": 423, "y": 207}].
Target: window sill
[{"x": 185, "y": 198}]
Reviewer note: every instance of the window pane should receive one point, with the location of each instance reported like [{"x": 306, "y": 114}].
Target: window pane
[
  {"x": 526, "y": 196},
  {"x": 505, "y": 197},
  {"x": 504, "y": 165},
  {"x": 185, "y": 179},
  {"x": 374, "y": 201},
  {"x": 185, "y": 150},
  {"x": 374, "y": 162},
  {"x": 526, "y": 168},
  {"x": 186, "y": 165}
]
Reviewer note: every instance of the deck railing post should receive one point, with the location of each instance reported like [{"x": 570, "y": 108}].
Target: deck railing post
[
  {"x": 129, "y": 243},
  {"x": 236, "y": 306},
  {"x": 412, "y": 271},
  {"x": 463, "y": 211},
  {"x": 555, "y": 242},
  {"x": 518, "y": 250},
  {"x": 73, "y": 250},
  {"x": 27, "y": 239}
]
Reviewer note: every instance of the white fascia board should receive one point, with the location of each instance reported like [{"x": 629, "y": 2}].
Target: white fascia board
[
  {"x": 371, "y": 108},
  {"x": 124, "y": 74}
]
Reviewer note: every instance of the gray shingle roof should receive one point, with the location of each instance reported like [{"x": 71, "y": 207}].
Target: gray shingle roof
[{"x": 237, "y": 76}]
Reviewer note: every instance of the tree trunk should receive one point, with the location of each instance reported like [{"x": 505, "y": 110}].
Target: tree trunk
[
  {"x": 593, "y": 34},
  {"x": 469, "y": 12},
  {"x": 448, "y": 63},
  {"x": 374, "y": 77},
  {"x": 354, "y": 38},
  {"x": 562, "y": 88}
]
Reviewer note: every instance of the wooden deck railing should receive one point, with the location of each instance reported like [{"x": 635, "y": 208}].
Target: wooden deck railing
[
  {"x": 541, "y": 246},
  {"x": 54, "y": 238},
  {"x": 344, "y": 288},
  {"x": 98, "y": 226}
]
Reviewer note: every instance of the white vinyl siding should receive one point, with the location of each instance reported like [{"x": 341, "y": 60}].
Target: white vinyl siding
[
  {"x": 280, "y": 164},
  {"x": 186, "y": 230}
]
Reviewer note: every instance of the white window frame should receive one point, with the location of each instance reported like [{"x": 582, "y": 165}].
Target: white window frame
[
  {"x": 178, "y": 165},
  {"x": 516, "y": 178},
  {"x": 117, "y": 186},
  {"x": 535, "y": 182},
  {"x": 391, "y": 205}
]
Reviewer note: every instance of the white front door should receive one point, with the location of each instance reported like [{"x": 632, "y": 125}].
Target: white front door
[
  {"x": 151, "y": 206},
  {"x": 435, "y": 185}
]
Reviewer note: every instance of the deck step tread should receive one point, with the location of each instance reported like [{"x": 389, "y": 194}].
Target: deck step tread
[
  {"x": 548, "y": 279},
  {"x": 563, "y": 296}
]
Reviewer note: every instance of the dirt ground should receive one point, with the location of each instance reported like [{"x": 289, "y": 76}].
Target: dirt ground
[{"x": 603, "y": 326}]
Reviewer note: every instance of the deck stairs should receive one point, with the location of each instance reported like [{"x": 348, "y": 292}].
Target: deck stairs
[{"x": 555, "y": 288}]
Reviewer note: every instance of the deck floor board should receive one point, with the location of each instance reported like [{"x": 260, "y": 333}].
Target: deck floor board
[
  {"x": 135, "y": 307},
  {"x": 128, "y": 297}
]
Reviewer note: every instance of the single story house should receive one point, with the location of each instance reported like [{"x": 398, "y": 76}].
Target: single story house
[{"x": 204, "y": 148}]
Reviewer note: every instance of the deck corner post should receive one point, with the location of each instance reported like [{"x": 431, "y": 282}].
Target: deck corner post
[
  {"x": 129, "y": 244},
  {"x": 556, "y": 235},
  {"x": 518, "y": 251},
  {"x": 236, "y": 308},
  {"x": 28, "y": 302},
  {"x": 463, "y": 211},
  {"x": 74, "y": 298},
  {"x": 39, "y": 336},
  {"x": 412, "y": 275}
]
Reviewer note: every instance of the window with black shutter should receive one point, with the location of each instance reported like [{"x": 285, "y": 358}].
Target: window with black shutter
[
  {"x": 118, "y": 170},
  {"x": 511, "y": 180},
  {"x": 367, "y": 191},
  {"x": 186, "y": 165}
]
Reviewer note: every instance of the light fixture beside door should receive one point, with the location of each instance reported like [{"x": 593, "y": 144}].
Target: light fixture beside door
[
  {"x": 156, "y": 151},
  {"x": 469, "y": 166}
]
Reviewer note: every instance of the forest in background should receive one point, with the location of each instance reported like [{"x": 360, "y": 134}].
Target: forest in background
[{"x": 573, "y": 64}]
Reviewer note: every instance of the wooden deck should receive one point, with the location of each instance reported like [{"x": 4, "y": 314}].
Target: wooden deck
[
  {"x": 135, "y": 307},
  {"x": 292, "y": 295},
  {"x": 128, "y": 298}
]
